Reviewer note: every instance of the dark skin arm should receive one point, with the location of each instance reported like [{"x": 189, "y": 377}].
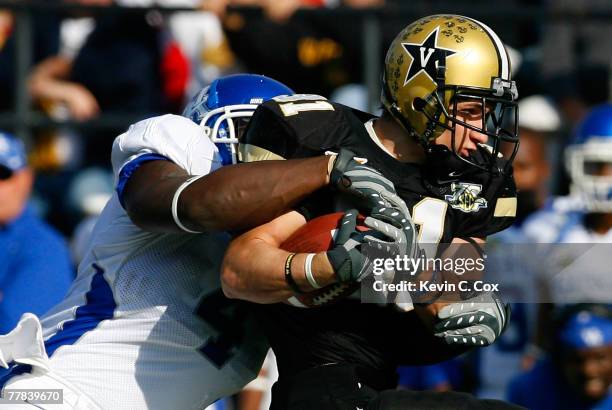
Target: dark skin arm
[{"x": 232, "y": 198}]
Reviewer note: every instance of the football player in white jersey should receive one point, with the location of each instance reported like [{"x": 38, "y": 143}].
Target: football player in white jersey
[
  {"x": 585, "y": 216},
  {"x": 145, "y": 325},
  {"x": 583, "y": 219}
]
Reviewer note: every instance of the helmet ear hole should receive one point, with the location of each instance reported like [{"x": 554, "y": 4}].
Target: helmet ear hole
[{"x": 419, "y": 104}]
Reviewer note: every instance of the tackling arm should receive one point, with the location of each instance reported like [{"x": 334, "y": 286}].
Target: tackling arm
[{"x": 231, "y": 198}]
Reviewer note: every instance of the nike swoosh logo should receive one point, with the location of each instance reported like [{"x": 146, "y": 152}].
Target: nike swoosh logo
[{"x": 359, "y": 160}]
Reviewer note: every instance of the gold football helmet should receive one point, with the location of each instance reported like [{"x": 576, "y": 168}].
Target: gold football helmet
[{"x": 442, "y": 59}]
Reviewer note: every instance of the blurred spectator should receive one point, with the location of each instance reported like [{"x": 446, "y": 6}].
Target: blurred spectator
[
  {"x": 49, "y": 82},
  {"x": 36, "y": 269},
  {"x": 45, "y": 40},
  {"x": 200, "y": 36},
  {"x": 317, "y": 52},
  {"x": 117, "y": 67},
  {"x": 122, "y": 63},
  {"x": 539, "y": 121},
  {"x": 276, "y": 11},
  {"x": 578, "y": 374}
]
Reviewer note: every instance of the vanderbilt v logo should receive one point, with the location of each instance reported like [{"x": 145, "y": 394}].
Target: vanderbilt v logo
[
  {"x": 425, "y": 58},
  {"x": 428, "y": 53}
]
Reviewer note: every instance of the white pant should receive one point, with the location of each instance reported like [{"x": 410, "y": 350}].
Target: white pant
[
  {"x": 24, "y": 345},
  {"x": 72, "y": 398}
]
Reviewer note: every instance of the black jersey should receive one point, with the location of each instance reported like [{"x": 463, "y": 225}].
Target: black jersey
[{"x": 444, "y": 204}]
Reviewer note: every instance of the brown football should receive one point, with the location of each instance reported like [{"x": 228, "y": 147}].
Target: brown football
[{"x": 318, "y": 236}]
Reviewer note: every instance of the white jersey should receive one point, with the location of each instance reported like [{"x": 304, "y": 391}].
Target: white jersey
[
  {"x": 145, "y": 325},
  {"x": 562, "y": 222},
  {"x": 575, "y": 259}
]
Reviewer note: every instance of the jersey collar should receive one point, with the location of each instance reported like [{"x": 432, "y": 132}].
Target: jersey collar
[{"x": 369, "y": 126}]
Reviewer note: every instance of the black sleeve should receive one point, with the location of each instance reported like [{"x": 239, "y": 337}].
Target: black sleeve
[
  {"x": 266, "y": 134},
  {"x": 297, "y": 128}
]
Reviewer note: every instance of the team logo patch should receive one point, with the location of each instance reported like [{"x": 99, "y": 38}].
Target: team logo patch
[
  {"x": 425, "y": 56},
  {"x": 465, "y": 197}
]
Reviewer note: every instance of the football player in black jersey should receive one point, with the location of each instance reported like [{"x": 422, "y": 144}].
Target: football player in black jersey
[{"x": 449, "y": 106}]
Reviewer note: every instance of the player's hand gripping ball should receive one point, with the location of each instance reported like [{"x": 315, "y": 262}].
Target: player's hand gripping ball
[{"x": 318, "y": 236}]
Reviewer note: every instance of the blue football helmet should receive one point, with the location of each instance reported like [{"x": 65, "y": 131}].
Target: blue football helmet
[
  {"x": 224, "y": 108},
  {"x": 589, "y": 160}
]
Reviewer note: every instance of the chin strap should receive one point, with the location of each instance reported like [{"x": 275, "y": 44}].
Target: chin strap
[{"x": 438, "y": 94}]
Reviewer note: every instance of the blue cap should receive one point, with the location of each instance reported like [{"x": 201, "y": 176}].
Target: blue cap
[
  {"x": 12, "y": 152},
  {"x": 585, "y": 330}
]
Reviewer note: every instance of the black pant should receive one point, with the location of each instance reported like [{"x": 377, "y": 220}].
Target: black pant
[
  {"x": 348, "y": 387},
  {"x": 425, "y": 400}
]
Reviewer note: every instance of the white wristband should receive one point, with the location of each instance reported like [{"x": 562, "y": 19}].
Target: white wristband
[
  {"x": 308, "y": 270},
  {"x": 175, "y": 199}
]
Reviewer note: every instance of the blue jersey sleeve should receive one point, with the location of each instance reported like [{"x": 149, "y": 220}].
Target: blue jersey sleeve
[{"x": 129, "y": 168}]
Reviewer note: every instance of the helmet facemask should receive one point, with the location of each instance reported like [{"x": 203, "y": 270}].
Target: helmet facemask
[
  {"x": 225, "y": 125},
  {"x": 224, "y": 108},
  {"x": 590, "y": 166},
  {"x": 499, "y": 122}
]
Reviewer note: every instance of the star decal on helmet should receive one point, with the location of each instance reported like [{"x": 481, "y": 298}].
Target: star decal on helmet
[{"x": 425, "y": 56}]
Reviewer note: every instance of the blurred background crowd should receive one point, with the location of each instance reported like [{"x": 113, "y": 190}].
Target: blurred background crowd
[{"x": 76, "y": 73}]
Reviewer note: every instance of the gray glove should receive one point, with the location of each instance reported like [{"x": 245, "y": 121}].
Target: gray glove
[
  {"x": 347, "y": 257},
  {"x": 399, "y": 237},
  {"x": 399, "y": 240},
  {"x": 477, "y": 321},
  {"x": 369, "y": 187},
  {"x": 391, "y": 234}
]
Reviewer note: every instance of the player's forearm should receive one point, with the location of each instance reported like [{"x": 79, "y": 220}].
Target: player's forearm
[
  {"x": 254, "y": 270},
  {"x": 247, "y": 195},
  {"x": 254, "y": 273}
]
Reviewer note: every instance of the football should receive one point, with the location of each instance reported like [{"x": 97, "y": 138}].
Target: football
[{"x": 318, "y": 236}]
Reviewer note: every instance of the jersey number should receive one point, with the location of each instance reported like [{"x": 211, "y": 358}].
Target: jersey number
[
  {"x": 429, "y": 215},
  {"x": 223, "y": 316},
  {"x": 294, "y": 108}
]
